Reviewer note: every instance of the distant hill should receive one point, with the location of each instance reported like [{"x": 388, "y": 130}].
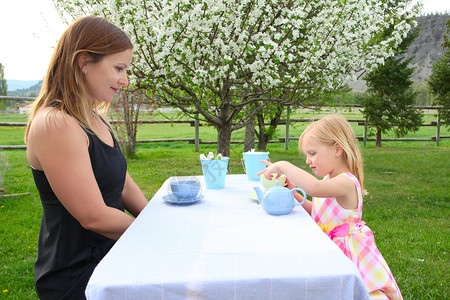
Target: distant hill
[
  {"x": 32, "y": 90},
  {"x": 14, "y": 85},
  {"x": 426, "y": 49}
]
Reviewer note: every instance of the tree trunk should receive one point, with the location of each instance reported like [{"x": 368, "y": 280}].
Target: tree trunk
[
  {"x": 263, "y": 140},
  {"x": 378, "y": 138},
  {"x": 129, "y": 114},
  {"x": 223, "y": 139},
  {"x": 265, "y": 134},
  {"x": 249, "y": 142}
]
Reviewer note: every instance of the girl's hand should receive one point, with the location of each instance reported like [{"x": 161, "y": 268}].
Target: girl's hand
[
  {"x": 266, "y": 162},
  {"x": 289, "y": 184},
  {"x": 268, "y": 174},
  {"x": 272, "y": 168}
]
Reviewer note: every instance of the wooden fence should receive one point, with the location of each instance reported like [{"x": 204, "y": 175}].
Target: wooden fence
[{"x": 195, "y": 123}]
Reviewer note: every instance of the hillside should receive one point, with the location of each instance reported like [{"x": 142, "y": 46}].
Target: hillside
[
  {"x": 14, "y": 85},
  {"x": 427, "y": 47},
  {"x": 31, "y": 91},
  {"x": 425, "y": 50}
]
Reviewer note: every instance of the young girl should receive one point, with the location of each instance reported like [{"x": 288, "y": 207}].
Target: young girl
[{"x": 332, "y": 152}]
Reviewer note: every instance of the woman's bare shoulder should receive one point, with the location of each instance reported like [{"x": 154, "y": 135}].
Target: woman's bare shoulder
[
  {"x": 52, "y": 132},
  {"x": 48, "y": 120},
  {"x": 49, "y": 124}
]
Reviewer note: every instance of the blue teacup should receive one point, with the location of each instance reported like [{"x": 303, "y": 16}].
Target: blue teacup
[{"x": 185, "y": 189}]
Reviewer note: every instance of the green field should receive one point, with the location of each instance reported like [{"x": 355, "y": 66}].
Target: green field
[
  {"x": 14, "y": 135},
  {"x": 407, "y": 207}
]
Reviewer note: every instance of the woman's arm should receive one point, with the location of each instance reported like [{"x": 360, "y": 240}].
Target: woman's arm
[
  {"x": 58, "y": 146},
  {"x": 132, "y": 196}
]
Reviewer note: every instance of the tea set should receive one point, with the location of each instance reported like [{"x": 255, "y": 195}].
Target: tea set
[
  {"x": 275, "y": 199},
  {"x": 184, "y": 191}
]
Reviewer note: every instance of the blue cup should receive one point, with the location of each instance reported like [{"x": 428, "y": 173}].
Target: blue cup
[
  {"x": 251, "y": 161},
  {"x": 185, "y": 189}
]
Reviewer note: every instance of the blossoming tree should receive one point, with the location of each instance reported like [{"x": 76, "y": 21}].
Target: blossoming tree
[{"x": 215, "y": 57}]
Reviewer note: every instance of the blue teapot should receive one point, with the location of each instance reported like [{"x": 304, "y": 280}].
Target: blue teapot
[{"x": 278, "y": 200}]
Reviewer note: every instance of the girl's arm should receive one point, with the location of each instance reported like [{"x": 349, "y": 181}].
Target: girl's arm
[
  {"x": 58, "y": 146},
  {"x": 307, "y": 205},
  {"x": 339, "y": 187}
]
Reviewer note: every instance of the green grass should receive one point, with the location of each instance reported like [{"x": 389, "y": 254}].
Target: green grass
[
  {"x": 407, "y": 206},
  {"x": 14, "y": 135}
]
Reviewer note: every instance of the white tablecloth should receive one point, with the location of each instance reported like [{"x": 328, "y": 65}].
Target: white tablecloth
[{"x": 224, "y": 247}]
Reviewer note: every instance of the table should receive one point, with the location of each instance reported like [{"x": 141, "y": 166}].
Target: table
[{"x": 224, "y": 246}]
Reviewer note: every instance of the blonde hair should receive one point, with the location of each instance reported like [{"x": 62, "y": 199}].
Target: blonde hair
[
  {"x": 63, "y": 87},
  {"x": 336, "y": 129}
]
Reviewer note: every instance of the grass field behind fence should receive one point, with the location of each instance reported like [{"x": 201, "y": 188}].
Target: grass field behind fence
[
  {"x": 14, "y": 135},
  {"x": 407, "y": 206}
]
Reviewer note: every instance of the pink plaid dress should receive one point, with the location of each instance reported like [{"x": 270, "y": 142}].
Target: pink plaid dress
[{"x": 355, "y": 239}]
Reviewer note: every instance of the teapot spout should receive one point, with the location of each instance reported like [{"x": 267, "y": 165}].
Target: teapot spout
[{"x": 259, "y": 194}]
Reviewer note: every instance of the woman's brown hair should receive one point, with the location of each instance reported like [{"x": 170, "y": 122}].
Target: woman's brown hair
[{"x": 64, "y": 84}]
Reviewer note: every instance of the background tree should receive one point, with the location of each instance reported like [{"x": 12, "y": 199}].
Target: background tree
[
  {"x": 389, "y": 102},
  {"x": 3, "y": 87},
  {"x": 216, "y": 57},
  {"x": 126, "y": 113},
  {"x": 269, "y": 116},
  {"x": 439, "y": 80},
  {"x": 262, "y": 123},
  {"x": 264, "y": 133}
]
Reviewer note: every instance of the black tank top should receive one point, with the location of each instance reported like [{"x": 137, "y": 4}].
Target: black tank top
[{"x": 68, "y": 253}]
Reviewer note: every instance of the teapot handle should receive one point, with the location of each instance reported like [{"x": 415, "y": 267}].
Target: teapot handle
[{"x": 304, "y": 196}]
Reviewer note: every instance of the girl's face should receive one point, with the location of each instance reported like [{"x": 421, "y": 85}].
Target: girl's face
[
  {"x": 107, "y": 76},
  {"x": 322, "y": 159}
]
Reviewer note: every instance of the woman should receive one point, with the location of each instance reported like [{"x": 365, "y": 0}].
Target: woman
[{"x": 76, "y": 162}]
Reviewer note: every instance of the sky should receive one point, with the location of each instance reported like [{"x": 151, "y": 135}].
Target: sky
[{"x": 30, "y": 30}]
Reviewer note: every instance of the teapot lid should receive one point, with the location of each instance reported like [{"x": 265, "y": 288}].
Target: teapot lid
[{"x": 277, "y": 187}]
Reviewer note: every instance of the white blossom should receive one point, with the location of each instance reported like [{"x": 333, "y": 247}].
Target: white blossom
[
  {"x": 211, "y": 156},
  {"x": 205, "y": 42}
]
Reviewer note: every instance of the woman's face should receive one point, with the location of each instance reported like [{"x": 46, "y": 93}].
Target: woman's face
[{"x": 106, "y": 77}]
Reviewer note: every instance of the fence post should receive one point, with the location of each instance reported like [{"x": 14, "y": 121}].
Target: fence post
[
  {"x": 286, "y": 138},
  {"x": 365, "y": 132},
  {"x": 197, "y": 135},
  {"x": 438, "y": 128}
]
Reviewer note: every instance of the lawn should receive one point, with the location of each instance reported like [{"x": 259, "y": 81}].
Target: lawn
[{"x": 407, "y": 206}]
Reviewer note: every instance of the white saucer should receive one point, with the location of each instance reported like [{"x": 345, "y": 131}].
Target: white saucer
[{"x": 174, "y": 200}]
